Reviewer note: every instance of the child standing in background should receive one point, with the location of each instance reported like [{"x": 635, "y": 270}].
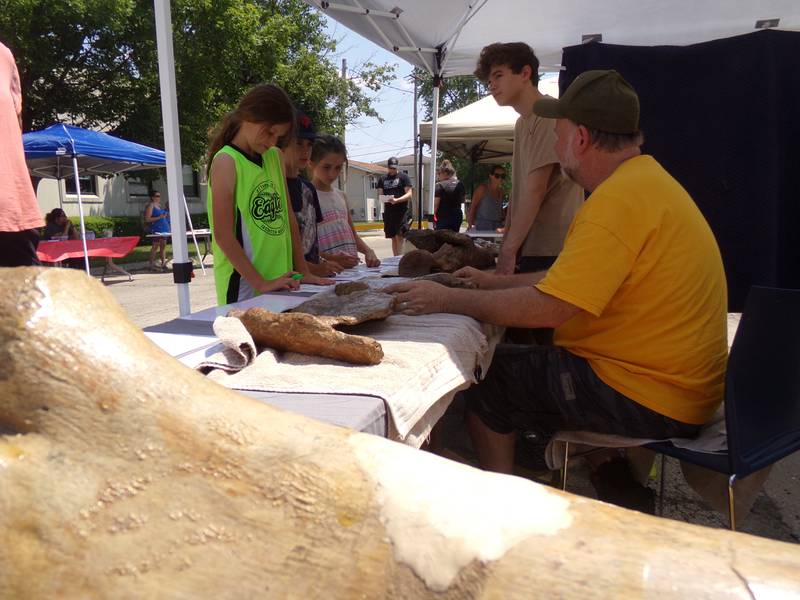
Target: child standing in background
[
  {"x": 247, "y": 201},
  {"x": 338, "y": 240},
  {"x": 303, "y": 196}
]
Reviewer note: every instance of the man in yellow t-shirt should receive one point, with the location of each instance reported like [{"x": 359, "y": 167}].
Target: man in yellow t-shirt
[{"x": 637, "y": 297}]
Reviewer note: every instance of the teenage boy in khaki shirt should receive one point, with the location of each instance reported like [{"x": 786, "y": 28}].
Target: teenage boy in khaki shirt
[{"x": 543, "y": 201}]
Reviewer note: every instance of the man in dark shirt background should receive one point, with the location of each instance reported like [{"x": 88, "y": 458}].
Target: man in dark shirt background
[{"x": 396, "y": 212}]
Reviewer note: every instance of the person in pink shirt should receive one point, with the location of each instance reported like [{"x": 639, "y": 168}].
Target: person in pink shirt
[{"x": 19, "y": 210}]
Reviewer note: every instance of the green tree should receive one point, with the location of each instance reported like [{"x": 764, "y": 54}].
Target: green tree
[
  {"x": 94, "y": 62},
  {"x": 454, "y": 92}
]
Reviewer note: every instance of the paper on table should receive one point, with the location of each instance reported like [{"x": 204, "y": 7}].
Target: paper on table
[
  {"x": 271, "y": 302},
  {"x": 178, "y": 344}
]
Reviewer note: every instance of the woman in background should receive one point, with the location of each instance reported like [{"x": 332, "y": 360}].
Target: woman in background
[
  {"x": 486, "y": 208},
  {"x": 156, "y": 220},
  {"x": 448, "y": 198},
  {"x": 57, "y": 225}
]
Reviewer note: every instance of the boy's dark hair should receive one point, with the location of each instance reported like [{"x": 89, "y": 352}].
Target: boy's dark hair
[
  {"x": 327, "y": 144},
  {"x": 513, "y": 54}
]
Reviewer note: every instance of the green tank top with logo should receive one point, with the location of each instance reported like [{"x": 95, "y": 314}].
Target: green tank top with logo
[{"x": 261, "y": 223}]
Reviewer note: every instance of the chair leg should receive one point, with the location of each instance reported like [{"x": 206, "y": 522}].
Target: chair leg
[
  {"x": 662, "y": 476},
  {"x": 564, "y": 467},
  {"x": 731, "y": 508}
]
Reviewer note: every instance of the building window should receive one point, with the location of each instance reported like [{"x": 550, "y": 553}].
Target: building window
[
  {"x": 138, "y": 190},
  {"x": 191, "y": 183},
  {"x": 88, "y": 185}
]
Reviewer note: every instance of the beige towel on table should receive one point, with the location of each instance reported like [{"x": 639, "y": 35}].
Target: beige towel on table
[{"x": 426, "y": 360}]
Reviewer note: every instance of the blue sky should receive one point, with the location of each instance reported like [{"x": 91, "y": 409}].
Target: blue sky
[{"x": 369, "y": 140}]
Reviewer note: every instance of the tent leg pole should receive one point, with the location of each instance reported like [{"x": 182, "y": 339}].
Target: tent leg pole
[
  {"x": 434, "y": 135},
  {"x": 181, "y": 266},
  {"x": 60, "y": 194},
  {"x": 194, "y": 237},
  {"x": 417, "y": 148},
  {"x": 80, "y": 213}
]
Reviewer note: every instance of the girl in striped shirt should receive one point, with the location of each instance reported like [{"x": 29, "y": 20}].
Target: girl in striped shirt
[{"x": 338, "y": 240}]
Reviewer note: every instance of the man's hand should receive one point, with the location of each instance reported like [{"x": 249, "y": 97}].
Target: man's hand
[
  {"x": 419, "y": 297},
  {"x": 478, "y": 278},
  {"x": 506, "y": 263}
]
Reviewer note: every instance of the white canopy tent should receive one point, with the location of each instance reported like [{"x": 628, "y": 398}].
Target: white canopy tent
[
  {"x": 482, "y": 131},
  {"x": 445, "y": 37}
]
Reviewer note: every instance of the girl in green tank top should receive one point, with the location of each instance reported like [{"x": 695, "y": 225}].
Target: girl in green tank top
[{"x": 255, "y": 236}]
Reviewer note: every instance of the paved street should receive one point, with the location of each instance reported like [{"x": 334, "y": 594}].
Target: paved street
[{"x": 151, "y": 298}]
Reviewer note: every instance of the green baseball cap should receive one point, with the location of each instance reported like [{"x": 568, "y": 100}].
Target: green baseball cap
[{"x": 600, "y": 100}]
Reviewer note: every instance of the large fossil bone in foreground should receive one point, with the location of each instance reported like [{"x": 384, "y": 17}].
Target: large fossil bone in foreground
[{"x": 125, "y": 475}]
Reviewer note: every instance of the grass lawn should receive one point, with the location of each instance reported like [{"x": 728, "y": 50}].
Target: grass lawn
[{"x": 142, "y": 254}]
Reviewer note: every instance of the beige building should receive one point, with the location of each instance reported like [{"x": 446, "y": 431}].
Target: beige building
[
  {"x": 361, "y": 188},
  {"x": 115, "y": 196}
]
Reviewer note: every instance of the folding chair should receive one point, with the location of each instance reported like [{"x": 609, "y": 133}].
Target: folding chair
[{"x": 762, "y": 392}]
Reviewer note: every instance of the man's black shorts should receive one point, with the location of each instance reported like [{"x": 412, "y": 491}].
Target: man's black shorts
[
  {"x": 548, "y": 389},
  {"x": 396, "y": 219}
]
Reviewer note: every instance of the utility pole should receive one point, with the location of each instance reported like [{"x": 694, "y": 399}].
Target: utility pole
[{"x": 343, "y": 175}]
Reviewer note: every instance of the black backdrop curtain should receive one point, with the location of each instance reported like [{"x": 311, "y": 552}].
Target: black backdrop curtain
[{"x": 723, "y": 117}]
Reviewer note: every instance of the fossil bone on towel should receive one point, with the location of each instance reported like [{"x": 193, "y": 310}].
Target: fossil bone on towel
[
  {"x": 124, "y": 474},
  {"x": 307, "y": 334}
]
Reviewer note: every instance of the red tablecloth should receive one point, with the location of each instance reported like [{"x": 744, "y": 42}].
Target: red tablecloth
[{"x": 115, "y": 247}]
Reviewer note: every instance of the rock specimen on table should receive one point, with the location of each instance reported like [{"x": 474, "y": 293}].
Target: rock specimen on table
[
  {"x": 424, "y": 239},
  {"x": 417, "y": 263},
  {"x": 433, "y": 239},
  {"x": 447, "y": 279},
  {"x": 307, "y": 334},
  {"x": 447, "y": 258},
  {"x": 124, "y": 474},
  {"x": 442, "y": 250},
  {"x": 349, "y": 304},
  {"x": 343, "y": 289}
]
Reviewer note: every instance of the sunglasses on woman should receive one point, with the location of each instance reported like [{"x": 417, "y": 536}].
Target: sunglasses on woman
[{"x": 499, "y": 175}]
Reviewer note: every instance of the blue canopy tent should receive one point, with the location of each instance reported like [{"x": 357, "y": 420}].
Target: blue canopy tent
[
  {"x": 61, "y": 151},
  {"x": 50, "y": 152}
]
